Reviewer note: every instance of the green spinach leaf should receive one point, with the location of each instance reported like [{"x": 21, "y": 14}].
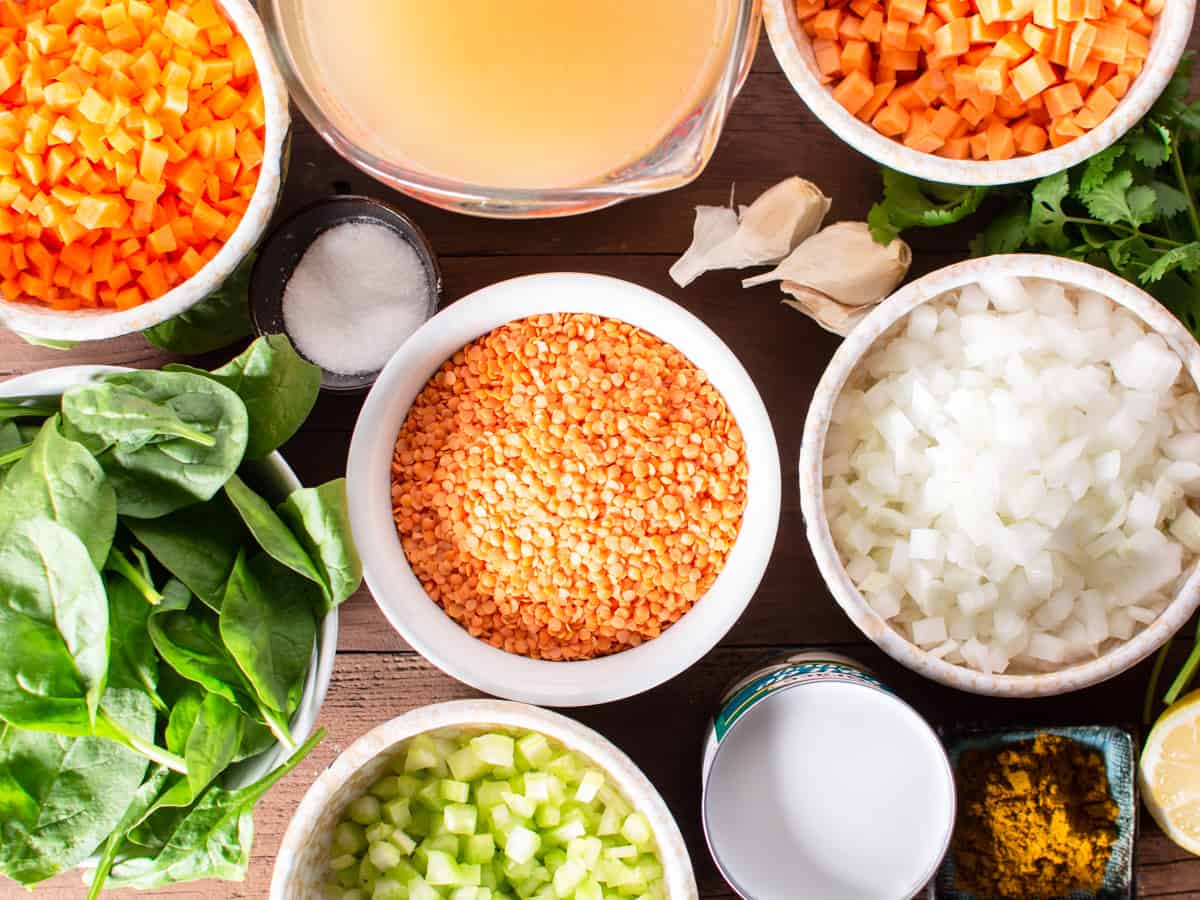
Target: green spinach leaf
[
  {"x": 132, "y": 661},
  {"x": 320, "y": 518},
  {"x": 102, "y": 415},
  {"x": 159, "y": 478},
  {"x": 60, "y": 480},
  {"x": 54, "y": 620},
  {"x": 142, "y": 801},
  {"x": 270, "y": 531},
  {"x": 269, "y": 631},
  {"x": 278, "y": 386},
  {"x": 213, "y": 741}
]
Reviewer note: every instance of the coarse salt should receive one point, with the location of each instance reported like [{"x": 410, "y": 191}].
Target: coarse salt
[{"x": 359, "y": 291}]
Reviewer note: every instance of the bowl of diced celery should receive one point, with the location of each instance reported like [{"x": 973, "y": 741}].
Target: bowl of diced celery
[{"x": 483, "y": 800}]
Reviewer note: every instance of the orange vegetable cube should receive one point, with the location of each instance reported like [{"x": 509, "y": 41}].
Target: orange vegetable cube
[
  {"x": 952, "y": 38},
  {"x": 1012, "y": 48},
  {"x": 1063, "y": 99},
  {"x": 853, "y": 92},
  {"x": 180, "y": 28},
  {"x": 825, "y": 24},
  {"x": 879, "y": 96},
  {"x": 992, "y": 75},
  {"x": 1032, "y": 77}
]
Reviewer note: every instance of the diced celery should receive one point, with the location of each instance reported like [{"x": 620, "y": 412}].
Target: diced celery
[
  {"x": 609, "y": 797},
  {"x": 522, "y": 844},
  {"x": 348, "y": 837},
  {"x": 397, "y": 813},
  {"x": 353, "y": 894},
  {"x": 420, "y": 889},
  {"x": 422, "y": 754},
  {"x": 460, "y": 818},
  {"x": 534, "y": 750},
  {"x": 494, "y": 749},
  {"x": 387, "y": 788},
  {"x": 567, "y": 766},
  {"x": 614, "y": 874},
  {"x": 466, "y": 892},
  {"x": 384, "y": 855},
  {"x": 502, "y": 819},
  {"x": 465, "y": 764},
  {"x": 547, "y": 816},
  {"x": 403, "y": 842},
  {"x": 345, "y": 861},
  {"x": 430, "y": 796},
  {"x": 531, "y": 887},
  {"x": 521, "y": 806},
  {"x": 380, "y": 831},
  {"x": 367, "y": 873},
  {"x": 348, "y": 878},
  {"x": 491, "y": 793},
  {"x": 443, "y": 843},
  {"x": 636, "y": 829},
  {"x": 515, "y": 871},
  {"x": 389, "y": 889},
  {"x": 546, "y": 892},
  {"x": 566, "y": 833},
  {"x": 610, "y": 822},
  {"x": 585, "y": 850},
  {"x": 454, "y": 791},
  {"x": 553, "y": 859},
  {"x": 537, "y": 787},
  {"x": 365, "y": 810},
  {"x": 441, "y": 868},
  {"x": 589, "y": 786},
  {"x": 623, "y": 851},
  {"x": 650, "y": 867},
  {"x": 470, "y": 873},
  {"x": 589, "y": 890},
  {"x": 422, "y": 821},
  {"x": 569, "y": 876},
  {"x": 481, "y": 848},
  {"x": 403, "y": 873}
]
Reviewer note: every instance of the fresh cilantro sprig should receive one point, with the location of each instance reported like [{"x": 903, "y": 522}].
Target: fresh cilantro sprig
[{"x": 1131, "y": 208}]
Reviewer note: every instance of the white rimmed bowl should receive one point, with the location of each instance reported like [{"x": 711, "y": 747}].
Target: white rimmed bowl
[
  {"x": 301, "y": 866},
  {"x": 844, "y": 364},
  {"x": 35, "y": 320},
  {"x": 274, "y": 478},
  {"x": 422, "y": 622},
  {"x": 793, "y": 49}
]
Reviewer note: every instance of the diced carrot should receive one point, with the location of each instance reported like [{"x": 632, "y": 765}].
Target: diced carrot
[
  {"x": 1062, "y": 100},
  {"x": 856, "y": 57},
  {"x": 1039, "y": 40},
  {"x": 899, "y": 60},
  {"x": 911, "y": 11},
  {"x": 849, "y": 30},
  {"x": 128, "y": 298},
  {"x": 892, "y": 120},
  {"x": 871, "y": 30},
  {"x": 806, "y": 9},
  {"x": 1033, "y": 76},
  {"x": 952, "y": 39},
  {"x": 829, "y": 57},
  {"x": 879, "y": 96},
  {"x": 992, "y": 75},
  {"x": 956, "y": 148},
  {"x": 1000, "y": 143},
  {"x": 1110, "y": 43},
  {"x": 1085, "y": 76},
  {"x": 853, "y": 92},
  {"x": 1012, "y": 48},
  {"x": 944, "y": 122},
  {"x": 825, "y": 24}
]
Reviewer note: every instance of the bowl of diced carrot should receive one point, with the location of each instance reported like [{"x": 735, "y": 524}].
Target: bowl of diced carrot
[
  {"x": 141, "y": 156},
  {"x": 979, "y": 91}
]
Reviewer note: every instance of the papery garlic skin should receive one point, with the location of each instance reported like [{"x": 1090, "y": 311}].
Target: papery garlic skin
[
  {"x": 835, "y": 317},
  {"x": 766, "y": 231}
]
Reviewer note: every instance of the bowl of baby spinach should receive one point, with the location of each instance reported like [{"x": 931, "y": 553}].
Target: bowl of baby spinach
[{"x": 168, "y": 609}]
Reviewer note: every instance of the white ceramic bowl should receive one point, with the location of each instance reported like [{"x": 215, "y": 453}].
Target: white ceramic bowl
[
  {"x": 300, "y": 867},
  {"x": 423, "y": 623},
  {"x": 794, "y": 50},
  {"x": 35, "y": 320},
  {"x": 845, "y": 361},
  {"x": 275, "y": 479}
]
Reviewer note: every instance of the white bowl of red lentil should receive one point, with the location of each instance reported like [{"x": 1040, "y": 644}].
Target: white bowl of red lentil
[{"x": 647, "y": 320}]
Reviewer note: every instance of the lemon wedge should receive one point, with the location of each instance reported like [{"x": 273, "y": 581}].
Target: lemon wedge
[{"x": 1169, "y": 772}]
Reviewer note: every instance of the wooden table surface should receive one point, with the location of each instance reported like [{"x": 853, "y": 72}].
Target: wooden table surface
[{"x": 770, "y": 136}]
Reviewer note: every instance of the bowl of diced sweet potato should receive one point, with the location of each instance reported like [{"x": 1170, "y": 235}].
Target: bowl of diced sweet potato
[
  {"x": 979, "y": 91},
  {"x": 141, "y": 156}
]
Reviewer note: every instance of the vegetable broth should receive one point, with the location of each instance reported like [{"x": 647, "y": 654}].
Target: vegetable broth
[{"x": 520, "y": 94}]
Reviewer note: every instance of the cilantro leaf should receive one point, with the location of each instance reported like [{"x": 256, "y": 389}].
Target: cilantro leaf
[
  {"x": 1143, "y": 203},
  {"x": 1097, "y": 169},
  {"x": 910, "y": 203},
  {"x": 1170, "y": 200},
  {"x": 1185, "y": 257},
  {"x": 1006, "y": 233},
  {"x": 1108, "y": 202},
  {"x": 1150, "y": 145},
  {"x": 1047, "y": 221}
]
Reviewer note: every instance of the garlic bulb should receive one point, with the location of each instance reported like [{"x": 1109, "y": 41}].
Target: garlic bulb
[
  {"x": 839, "y": 274},
  {"x": 765, "y": 232}
]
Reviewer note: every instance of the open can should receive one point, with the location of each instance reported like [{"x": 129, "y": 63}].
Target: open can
[{"x": 820, "y": 782}]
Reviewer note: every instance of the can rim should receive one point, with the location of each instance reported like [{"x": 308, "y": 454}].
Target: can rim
[{"x": 943, "y": 755}]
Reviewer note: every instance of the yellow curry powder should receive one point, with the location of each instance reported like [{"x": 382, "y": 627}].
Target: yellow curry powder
[{"x": 1035, "y": 820}]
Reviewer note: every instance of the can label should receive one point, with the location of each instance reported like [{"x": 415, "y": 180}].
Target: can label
[{"x": 793, "y": 673}]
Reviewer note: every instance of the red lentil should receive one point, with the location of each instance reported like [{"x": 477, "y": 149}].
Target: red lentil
[{"x": 568, "y": 486}]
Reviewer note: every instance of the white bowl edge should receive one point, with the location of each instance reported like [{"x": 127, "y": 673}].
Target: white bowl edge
[
  {"x": 423, "y": 623},
  {"x": 299, "y": 870},
  {"x": 54, "y": 381},
  {"x": 1025, "y": 265},
  {"x": 42, "y": 322},
  {"x": 1167, "y": 45}
]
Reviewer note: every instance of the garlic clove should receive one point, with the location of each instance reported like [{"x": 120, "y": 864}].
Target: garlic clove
[
  {"x": 825, "y": 311},
  {"x": 844, "y": 263},
  {"x": 766, "y": 231},
  {"x": 714, "y": 225}
]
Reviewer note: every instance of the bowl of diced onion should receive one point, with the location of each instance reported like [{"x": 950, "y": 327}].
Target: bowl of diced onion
[
  {"x": 482, "y": 798},
  {"x": 999, "y": 474}
]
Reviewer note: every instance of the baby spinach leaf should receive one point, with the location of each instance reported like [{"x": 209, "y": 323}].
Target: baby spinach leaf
[
  {"x": 54, "y": 624},
  {"x": 61, "y": 481},
  {"x": 143, "y": 799},
  {"x": 320, "y": 518},
  {"x": 214, "y": 839},
  {"x": 183, "y": 717},
  {"x": 132, "y": 662},
  {"x": 161, "y": 477},
  {"x": 101, "y": 415},
  {"x": 256, "y": 738},
  {"x": 197, "y": 544},
  {"x": 136, "y": 576},
  {"x": 10, "y": 440},
  {"x": 215, "y": 322},
  {"x": 278, "y": 386},
  {"x": 268, "y": 631},
  {"x": 213, "y": 742},
  {"x": 60, "y": 797},
  {"x": 188, "y": 641},
  {"x": 270, "y": 531}
]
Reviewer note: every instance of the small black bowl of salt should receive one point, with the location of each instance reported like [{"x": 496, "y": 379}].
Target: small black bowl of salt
[{"x": 349, "y": 280}]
